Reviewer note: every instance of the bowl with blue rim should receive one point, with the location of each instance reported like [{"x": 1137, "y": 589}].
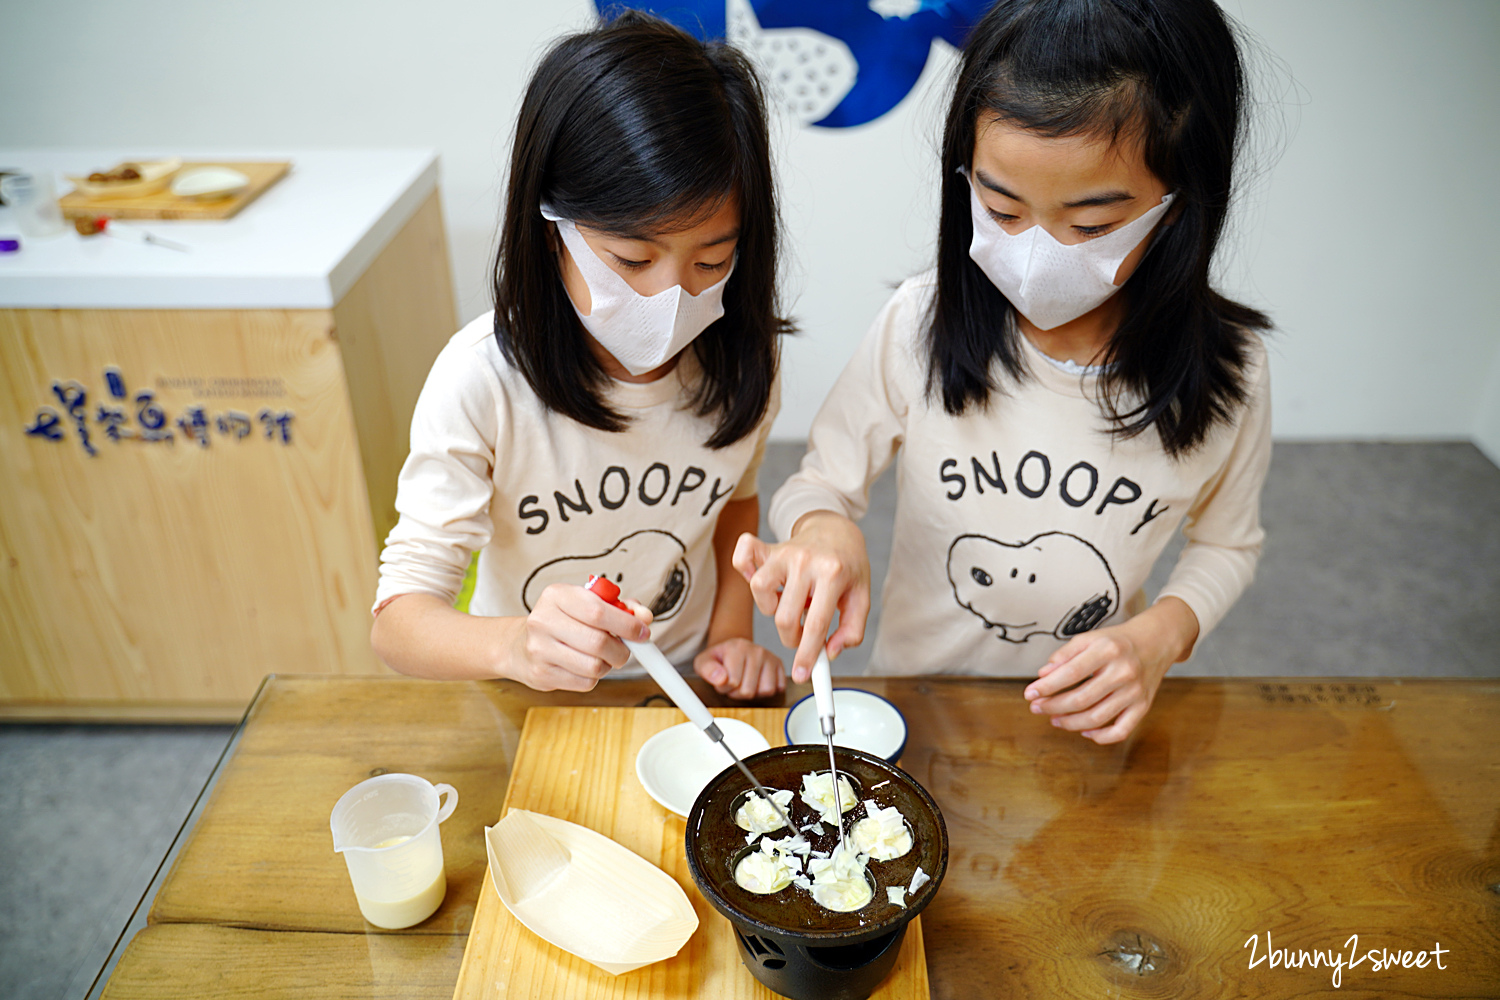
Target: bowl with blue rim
[{"x": 862, "y": 721}]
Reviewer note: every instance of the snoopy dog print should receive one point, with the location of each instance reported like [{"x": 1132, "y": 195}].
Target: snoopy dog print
[
  {"x": 649, "y": 566},
  {"x": 1054, "y": 584}
]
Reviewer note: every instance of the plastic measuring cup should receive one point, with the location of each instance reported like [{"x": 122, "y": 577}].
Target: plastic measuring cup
[
  {"x": 387, "y": 830},
  {"x": 33, "y": 203}
]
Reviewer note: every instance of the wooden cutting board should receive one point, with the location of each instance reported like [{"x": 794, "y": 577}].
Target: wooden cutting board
[
  {"x": 578, "y": 764},
  {"x": 166, "y": 205}
]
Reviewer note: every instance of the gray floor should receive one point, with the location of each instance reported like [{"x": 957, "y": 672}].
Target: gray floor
[
  {"x": 1380, "y": 559},
  {"x": 86, "y": 812}
]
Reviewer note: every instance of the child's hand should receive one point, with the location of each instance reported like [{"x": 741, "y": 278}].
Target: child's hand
[
  {"x": 741, "y": 669},
  {"x": 1116, "y": 671},
  {"x": 569, "y": 639},
  {"x": 823, "y": 563}
]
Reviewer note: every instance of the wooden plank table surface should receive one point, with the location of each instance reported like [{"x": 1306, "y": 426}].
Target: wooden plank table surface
[
  {"x": 1244, "y": 815},
  {"x": 578, "y": 764}
]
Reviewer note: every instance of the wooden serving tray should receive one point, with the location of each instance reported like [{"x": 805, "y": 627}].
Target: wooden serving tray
[
  {"x": 166, "y": 205},
  {"x": 578, "y": 764}
]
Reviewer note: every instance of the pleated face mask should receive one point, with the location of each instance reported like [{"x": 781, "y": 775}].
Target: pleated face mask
[
  {"x": 1049, "y": 282},
  {"x": 640, "y": 331}
]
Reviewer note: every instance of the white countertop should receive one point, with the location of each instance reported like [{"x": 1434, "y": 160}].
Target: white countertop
[{"x": 300, "y": 245}]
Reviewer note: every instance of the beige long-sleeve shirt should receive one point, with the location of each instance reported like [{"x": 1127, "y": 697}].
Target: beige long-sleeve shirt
[
  {"x": 1023, "y": 523},
  {"x": 545, "y": 499}
]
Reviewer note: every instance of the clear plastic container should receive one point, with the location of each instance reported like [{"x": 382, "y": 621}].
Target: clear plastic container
[
  {"x": 387, "y": 830},
  {"x": 33, "y": 203}
]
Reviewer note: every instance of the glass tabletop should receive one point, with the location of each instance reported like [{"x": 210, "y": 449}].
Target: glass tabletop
[
  {"x": 1312, "y": 809},
  {"x": 137, "y": 919},
  {"x": 97, "y": 976}
]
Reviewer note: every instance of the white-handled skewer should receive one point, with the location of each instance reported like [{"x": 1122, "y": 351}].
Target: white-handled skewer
[
  {"x": 683, "y": 696},
  {"x": 822, "y": 683}
]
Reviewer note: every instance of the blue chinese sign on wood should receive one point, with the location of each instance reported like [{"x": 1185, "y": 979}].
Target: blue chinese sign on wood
[
  {"x": 120, "y": 416},
  {"x": 834, "y": 63}
]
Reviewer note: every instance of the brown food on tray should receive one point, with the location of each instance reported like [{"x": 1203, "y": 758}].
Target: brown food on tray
[{"x": 124, "y": 172}]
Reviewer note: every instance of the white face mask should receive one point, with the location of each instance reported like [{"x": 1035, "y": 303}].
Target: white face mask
[
  {"x": 641, "y": 332},
  {"x": 1050, "y": 283}
]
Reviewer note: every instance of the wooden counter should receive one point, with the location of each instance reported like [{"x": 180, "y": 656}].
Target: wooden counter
[
  {"x": 190, "y": 489},
  {"x": 1300, "y": 811}
]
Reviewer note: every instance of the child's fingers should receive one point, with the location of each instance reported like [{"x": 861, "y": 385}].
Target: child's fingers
[
  {"x": 594, "y": 611},
  {"x": 789, "y": 605},
  {"x": 772, "y": 677},
  {"x": 854, "y": 612},
  {"x": 551, "y": 677},
  {"x": 750, "y": 668},
  {"x": 1065, "y": 653},
  {"x": 749, "y": 555},
  {"x": 733, "y": 658},
  {"x": 556, "y": 665},
  {"x": 749, "y": 680},
  {"x": 752, "y": 558},
  {"x": 1121, "y": 727},
  {"x": 579, "y": 646},
  {"x": 1097, "y": 715},
  {"x": 765, "y": 588},
  {"x": 1092, "y": 691},
  {"x": 761, "y": 675},
  {"x": 639, "y": 610},
  {"x": 1063, "y": 670},
  {"x": 768, "y": 580},
  {"x": 814, "y": 632},
  {"x": 577, "y": 631},
  {"x": 710, "y": 667}
]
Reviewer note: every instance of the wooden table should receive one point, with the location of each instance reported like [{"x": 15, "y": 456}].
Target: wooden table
[
  {"x": 1244, "y": 814},
  {"x": 201, "y": 447}
]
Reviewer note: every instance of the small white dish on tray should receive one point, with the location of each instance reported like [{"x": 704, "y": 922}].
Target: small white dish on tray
[
  {"x": 206, "y": 183},
  {"x": 862, "y": 721},
  {"x": 677, "y": 762}
]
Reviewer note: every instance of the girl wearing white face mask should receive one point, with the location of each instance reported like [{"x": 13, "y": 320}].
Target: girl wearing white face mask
[
  {"x": 609, "y": 417},
  {"x": 1064, "y": 390}
]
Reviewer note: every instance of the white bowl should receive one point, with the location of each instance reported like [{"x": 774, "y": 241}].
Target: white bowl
[
  {"x": 209, "y": 182},
  {"x": 676, "y": 763},
  {"x": 862, "y": 721}
]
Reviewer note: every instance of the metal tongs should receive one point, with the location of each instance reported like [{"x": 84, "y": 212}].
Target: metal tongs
[
  {"x": 822, "y": 682},
  {"x": 672, "y": 684}
]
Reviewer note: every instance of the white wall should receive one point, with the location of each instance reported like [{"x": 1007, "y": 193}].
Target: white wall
[
  {"x": 1370, "y": 242},
  {"x": 272, "y": 74}
]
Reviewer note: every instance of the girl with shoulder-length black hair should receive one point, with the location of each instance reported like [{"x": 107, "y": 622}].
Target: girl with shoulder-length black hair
[
  {"x": 610, "y": 416},
  {"x": 1065, "y": 388}
]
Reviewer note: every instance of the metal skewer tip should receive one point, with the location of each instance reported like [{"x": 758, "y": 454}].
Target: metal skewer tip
[
  {"x": 718, "y": 737},
  {"x": 168, "y": 244},
  {"x": 838, "y": 802}
]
